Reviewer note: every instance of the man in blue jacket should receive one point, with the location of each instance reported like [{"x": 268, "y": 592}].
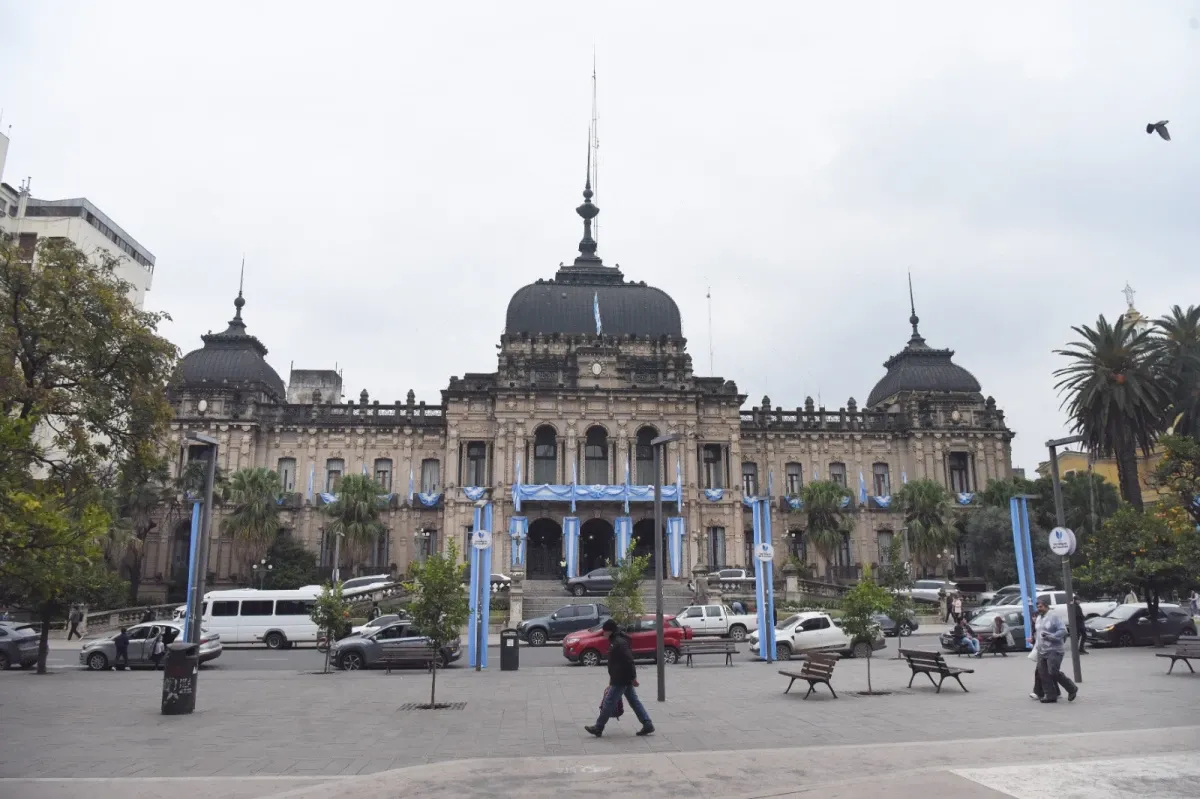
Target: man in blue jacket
[
  {"x": 622, "y": 676},
  {"x": 1052, "y": 632}
]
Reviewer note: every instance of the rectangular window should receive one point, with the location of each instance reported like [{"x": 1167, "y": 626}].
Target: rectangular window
[
  {"x": 467, "y": 543},
  {"x": 882, "y": 481},
  {"x": 225, "y": 608},
  {"x": 287, "y": 473},
  {"x": 431, "y": 476},
  {"x": 293, "y": 607},
  {"x": 883, "y": 540},
  {"x": 334, "y": 469},
  {"x": 750, "y": 479},
  {"x": 716, "y": 548},
  {"x": 714, "y": 466},
  {"x": 383, "y": 473},
  {"x": 799, "y": 547},
  {"x": 837, "y": 473},
  {"x": 256, "y": 607},
  {"x": 960, "y": 475},
  {"x": 795, "y": 479},
  {"x": 476, "y": 464},
  {"x": 748, "y": 551}
]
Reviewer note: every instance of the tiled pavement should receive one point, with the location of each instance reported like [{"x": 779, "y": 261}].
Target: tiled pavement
[{"x": 80, "y": 724}]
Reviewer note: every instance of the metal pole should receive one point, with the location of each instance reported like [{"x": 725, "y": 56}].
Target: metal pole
[
  {"x": 659, "y": 647},
  {"x": 1060, "y": 516},
  {"x": 201, "y": 563},
  {"x": 479, "y": 639},
  {"x": 337, "y": 557}
]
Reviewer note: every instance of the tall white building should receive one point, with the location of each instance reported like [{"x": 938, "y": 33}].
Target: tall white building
[{"x": 27, "y": 219}]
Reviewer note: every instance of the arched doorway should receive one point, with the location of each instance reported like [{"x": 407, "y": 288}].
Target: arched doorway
[
  {"x": 544, "y": 549},
  {"x": 643, "y": 541},
  {"x": 597, "y": 545}
]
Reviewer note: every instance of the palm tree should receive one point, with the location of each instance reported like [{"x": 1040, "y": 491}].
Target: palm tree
[
  {"x": 926, "y": 508},
  {"x": 254, "y": 520},
  {"x": 1178, "y": 346},
  {"x": 1113, "y": 395},
  {"x": 355, "y": 515},
  {"x": 136, "y": 504},
  {"x": 826, "y": 519}
]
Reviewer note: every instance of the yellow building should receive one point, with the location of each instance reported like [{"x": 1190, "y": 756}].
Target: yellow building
[{"x": 1071, "y": 462}]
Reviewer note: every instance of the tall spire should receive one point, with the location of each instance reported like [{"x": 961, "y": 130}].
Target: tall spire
[
  {"x": 236, "y": 324},
  {"x": 594, "y": 143},
  {"x": 587, "y": 245},
  {"x": 913, "y": 319}
]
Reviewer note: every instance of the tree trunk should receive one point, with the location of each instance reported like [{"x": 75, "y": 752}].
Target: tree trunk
[
  {"x": 44, "y": 641},
  {"x": 328, "y": 648},
  {"x": 871, "y": 690},
  {"x": 433, "y": 685},
  {"x": 1127, "y": 475}
]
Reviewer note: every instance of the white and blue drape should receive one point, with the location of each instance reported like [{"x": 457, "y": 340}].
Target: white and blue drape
[
  {"x": 764, "y": 588},
  {"x": 518, "y": 533},
  {"x": 410, "y": 485},
  {"x": 845, "y": 503},
  {"x": 862, "y": 489},
  {"x": 675, "y": 544},
  {"x": 584, "y": 493},
  {"x": 430, "y": 499},
  {"x": 312, "y": 471},
  {"x": 883, "y": 502},
  {"x": 714, "y": 494},
  {"x": 474, "y": 493},
  {"x": 329, "y": 499},
  {"x": 623, "y": 530},
  {"x": 1018, "y": 508},
  {"x": 795, "y": 503},
  {"x": 571, "y": 544},
  {"x": 965, "y": 498},
  {"x": 481, "y": 579}
]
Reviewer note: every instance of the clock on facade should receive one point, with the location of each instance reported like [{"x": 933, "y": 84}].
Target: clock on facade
[{"x": 597, "y": 368}]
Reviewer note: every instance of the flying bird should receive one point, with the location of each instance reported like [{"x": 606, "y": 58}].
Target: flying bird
[{"x": 1160, "y": 128}]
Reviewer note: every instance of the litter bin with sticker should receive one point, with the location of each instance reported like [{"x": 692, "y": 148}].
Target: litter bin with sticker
[
  {"x": 179, "y": 678},
  {"x": 510, "y": 648}
]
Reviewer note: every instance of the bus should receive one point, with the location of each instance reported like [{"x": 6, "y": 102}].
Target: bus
[{"x": 279, "y": 619}]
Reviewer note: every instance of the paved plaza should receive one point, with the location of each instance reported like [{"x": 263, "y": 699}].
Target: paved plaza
[{"x": 291, "y": 731}]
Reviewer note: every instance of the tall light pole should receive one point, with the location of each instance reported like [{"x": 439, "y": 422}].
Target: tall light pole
[
  {"x": 199, "y": 565},
  {"x": 659, "y": 446},
  {"x": 1060, "y": 516}
]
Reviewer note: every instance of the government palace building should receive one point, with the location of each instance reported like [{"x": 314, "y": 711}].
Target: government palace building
[{"x": 591, "y": 367}]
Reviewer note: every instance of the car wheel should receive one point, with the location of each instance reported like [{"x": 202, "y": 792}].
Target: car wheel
[
  {"x": 97, "y": 661},
  {"x": 906, "y": 630},
  {"x": 590, "y": 658},
  {"x": 351, "y": 661},
  {"x": 1188, "y": 631},
  {"x": 1125, "y": 639},
  {"x": 783, "y": 652},
  {"x": 537, "y": 637},
  {"x": 671, "y": 655},
  {"x": 861, "y": 650},
  {"x": 275, "y": 640},
  {"x": 4, "y": 664},
  {"x": 737, "y": 632},
  {"x": 578, "y": 590}
]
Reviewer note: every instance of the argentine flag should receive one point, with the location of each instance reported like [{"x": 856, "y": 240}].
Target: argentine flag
[{"x": 596, "y": 310}]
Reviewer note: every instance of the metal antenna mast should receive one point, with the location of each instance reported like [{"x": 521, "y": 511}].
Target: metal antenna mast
[
  {"x": 595, "y": 145},
  {"x": 711, "y": 369}
]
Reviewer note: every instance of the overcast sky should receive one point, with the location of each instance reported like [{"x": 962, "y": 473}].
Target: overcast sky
[{"x": 393, "y": 172}]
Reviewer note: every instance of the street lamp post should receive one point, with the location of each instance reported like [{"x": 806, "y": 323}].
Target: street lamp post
[
  {"x": 659, "y": 446},
  {"x": 199, "y": 565},
  {"x": 1060, "y": 516},
  {"x": 262, "y": 569}
]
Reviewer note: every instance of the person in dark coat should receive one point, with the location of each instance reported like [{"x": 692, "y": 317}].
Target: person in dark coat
[
  {"x": 121, "y": 642},
  {"x": 375, "y": 612},
  {"x": 75, "y": 618},
  {"x": 622, "y": 679},
  {"x": 1080, "y": 623}
]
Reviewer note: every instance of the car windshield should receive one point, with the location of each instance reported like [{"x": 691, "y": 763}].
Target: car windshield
[
  {"x": 1122, "y": 612},
  {"x": 789, "y": 621}
]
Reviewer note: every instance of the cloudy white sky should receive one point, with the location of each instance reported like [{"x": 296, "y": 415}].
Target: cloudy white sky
[{"x": 394, "y": 171}]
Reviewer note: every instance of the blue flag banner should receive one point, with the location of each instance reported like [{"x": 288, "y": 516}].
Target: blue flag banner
[
  {"x": 675, "y": 544},
  {"x": 327, "y": 499},
  {"x": 518, "y": 533},
  {"x": 845, "y": 502},
  {"x": 312, "y": 470},
  {"x": 584, "y": 493},
  {"x": 571, "y": 545},
  {"x": 883, "y": 502},
  {"x": 862, "y": 489},
  {"x": 714, "y": 494},
  {"x": 410, "y": 485},
  {"x": 965, "y": 498},
  {"x": 678, "y": 485},
  {"x": 516, "y": 489},
  {"x": 795, "y": 503},
  {"x": 1018, "y": 509},
  {"x": 429, "y": 500},
  {"x": 623, "y": 528},
  {"x": 596, "y": 311},
  {"x": 474, "y": 493},
  {"x": 764, "y": 592},
  {"x": 193, "y": 552},
  {"x": 748, "y": 502},
  {"x": 574, "y": 482},
  {"x": 622, "y": 553}
]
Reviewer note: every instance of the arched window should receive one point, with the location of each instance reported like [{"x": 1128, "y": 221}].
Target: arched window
[
  {"x": 644, "y": 475},
  {"x": 545, "y": 456},
  {"x": 595, "y": 457}
]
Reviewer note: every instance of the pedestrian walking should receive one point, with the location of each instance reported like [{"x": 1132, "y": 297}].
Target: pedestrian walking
[
  {"x": 74, "y": 619},
  {"x": 375, "y": 612},
  {"x": 1131, "y": 598},
  {"x": 157, "y": 650},
  {"x": 1051, "y": 634},
  {"x": 958, "y": 606},
  {"x": 121, "y": 642},
  {"x": 1080, "y": 623},
  {"x": 622, "y": 680},
  {"x": 1038, "y": 692},
  {"x": 1194, "y": 601}
]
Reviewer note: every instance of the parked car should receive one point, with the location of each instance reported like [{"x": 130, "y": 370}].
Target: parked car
[
  {"x": 357, "y": 584},
  {"x": 1057, "y": 600},
  {"x": 927, "y": 590},
  {"x": 18, "y": 645},
  {"x": 590, "y": 647},
  {"x": 99, "y": 654},
  {"x": 1129, "y": 625},
  {"x": 375, "y": 624},
  {"x": 983, "y": 625},
  {"x": 597, "y": 581},
  {"x": 718, "y": 620},
  {"x": 561, "y": 623},
  {"x": 815, "y": 632},
  {"x": 1008, "y": 594},
  {"x": 364, "y": 651},
  {"x": 907, "y": 626}
]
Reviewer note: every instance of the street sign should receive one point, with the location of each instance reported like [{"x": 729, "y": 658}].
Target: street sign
[
  {"x": 764, "y": 552},
  {"x": 481, "y": 539},
  {"x": 1062, "y": 541}
]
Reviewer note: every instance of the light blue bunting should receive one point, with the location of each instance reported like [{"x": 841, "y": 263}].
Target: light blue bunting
[
  {"x": 474, "y": 493},
  {"x": 571, "y": 545},
  {"x": 675, "y": 544},
  {"x": 965, "y": 498},
  {"x": 883, "y": 502},
  {"x": 714, "y": 494},
  {"x": 429, "y": 500},
  {"x": 845, "y": 503},
  {"x": 862, "y": 489},
  {"x": 795, "y": 503},
  {"x": 623, "y": 528}
]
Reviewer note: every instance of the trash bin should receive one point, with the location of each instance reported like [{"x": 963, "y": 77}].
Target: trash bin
[
  {"x": 179, "y": 678},
  {"x": 510, "y": 648}
]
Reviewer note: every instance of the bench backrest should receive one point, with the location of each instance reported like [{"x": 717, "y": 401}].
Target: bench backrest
[
  {"x": 928, "y": 660},
  {"x": 819, "y": 665},
  {"x": 1188, "y": 648}
]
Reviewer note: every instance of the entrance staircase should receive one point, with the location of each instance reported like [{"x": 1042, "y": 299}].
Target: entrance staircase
[{"x": 543, "y": 597}]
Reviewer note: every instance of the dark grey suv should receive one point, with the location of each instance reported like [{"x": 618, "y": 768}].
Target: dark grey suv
[
  {"x": 18, "y": 645},
  {"x": 561, "y": 623},
  {"x": 597, "y": 581},
  {"x": 401, "y": 638}
]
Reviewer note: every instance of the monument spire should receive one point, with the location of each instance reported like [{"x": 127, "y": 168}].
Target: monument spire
[
  {"x": 587, "y": 210},
  {"x": 913, "y": 319}
]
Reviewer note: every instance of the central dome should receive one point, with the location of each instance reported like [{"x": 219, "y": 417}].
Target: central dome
[{"x": 588, "y": 295}]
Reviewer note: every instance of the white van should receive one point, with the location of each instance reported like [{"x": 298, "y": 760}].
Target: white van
[{"x": 278, "y": 619}]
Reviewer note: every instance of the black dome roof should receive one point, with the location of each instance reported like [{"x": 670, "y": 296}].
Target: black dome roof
[
  {"x": 233, "y": 358},
  {"x": 569, "y": 303},
  {"x": 921, "y": 368}
]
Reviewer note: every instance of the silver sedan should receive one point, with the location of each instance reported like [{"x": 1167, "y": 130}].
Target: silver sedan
[{"x": 100, "y": 654}]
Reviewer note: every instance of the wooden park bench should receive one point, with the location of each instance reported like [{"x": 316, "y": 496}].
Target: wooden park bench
[
  {"x": 1185, "y": 651},
  {"x": 714, "y": 647},
  {"x": 816, "y": 671},
  {"x": 395, "y": 658},
  {"x": 931, "y": 663}
]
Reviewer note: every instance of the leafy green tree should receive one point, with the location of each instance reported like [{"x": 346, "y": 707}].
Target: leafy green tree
[
  {"x": 439, "y": 607},
  {"x": 329, "y": 613},
  {"x": 895, "y": 577},
  {"x": 1179, "y": 473},
  {"x": 826, "y": 520},
  {"x": 254, "y": 520},
  {"x": 1114, "y": 396},
  {"x": 355, "y": 515},
  {"x": 859, "y": 606},
  {"x": 1178, "y": 346},
  {"x": 292, "y": 565},
  {"x": 625, "y": 598},
  {"x": 927, "y": 515}
]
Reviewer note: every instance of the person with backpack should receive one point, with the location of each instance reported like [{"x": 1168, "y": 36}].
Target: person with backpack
[{"x": 622, "y": 680}]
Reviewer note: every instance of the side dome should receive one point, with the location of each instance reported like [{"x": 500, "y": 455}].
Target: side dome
[
  {"x": 919, "y": 368},
  {"x": 232, "y": 359}
]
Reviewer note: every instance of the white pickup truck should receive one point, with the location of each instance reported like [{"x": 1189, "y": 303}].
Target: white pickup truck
[
  {"x": 717, "y": 620},
  {"x": 1058, "y": 604}
]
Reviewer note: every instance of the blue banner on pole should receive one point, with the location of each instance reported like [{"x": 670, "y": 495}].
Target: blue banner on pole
[
  {"x": 193, "y": 553},
  {"x": 571, "y": 545}
]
